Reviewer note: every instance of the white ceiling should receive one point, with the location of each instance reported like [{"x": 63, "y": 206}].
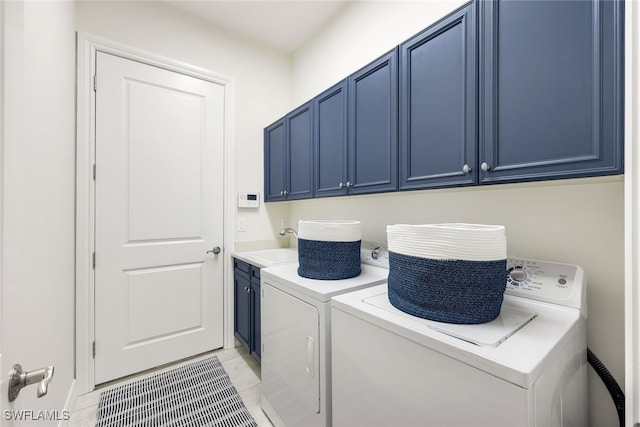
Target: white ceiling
[{"x": 283, "y": 24}]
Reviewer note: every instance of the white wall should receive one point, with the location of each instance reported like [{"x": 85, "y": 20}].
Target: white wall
[
  {"x": 632, "y": 206},
  {"x": 576, "y": 221},
  {"x": 38, "y": 189},
  {"x": 261, "y": 76},
  {"x": 361, "y": 32}
]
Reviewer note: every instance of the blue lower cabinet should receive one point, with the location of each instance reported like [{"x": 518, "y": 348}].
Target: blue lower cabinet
[
  {"x": 437, "y": 117},
  {"x": 256, "y": 342},
  {"x": 551, "y": 89},
  {"x": 247, "y": 307}
]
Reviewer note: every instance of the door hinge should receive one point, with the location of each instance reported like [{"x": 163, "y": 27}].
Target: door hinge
[
  {"x": 94, "y": 260},
  {"x": 93, "y": 349},
  {"x": 94, "y": 171},
  {"x": 95, "y": 83}
]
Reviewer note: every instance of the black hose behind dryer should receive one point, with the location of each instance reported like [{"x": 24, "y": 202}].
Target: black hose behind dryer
[{"x": 612, "y": 385}]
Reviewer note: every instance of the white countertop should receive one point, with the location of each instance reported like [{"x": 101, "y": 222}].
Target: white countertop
[{"x": 268, "y": 257}]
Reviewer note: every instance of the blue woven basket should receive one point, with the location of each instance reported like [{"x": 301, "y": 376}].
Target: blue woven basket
[
  {"x": 452, "y": 291},
  {"x": 328, "y": 260}
]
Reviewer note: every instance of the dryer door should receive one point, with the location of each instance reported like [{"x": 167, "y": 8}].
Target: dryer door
[{"x": 290, "y": 355}]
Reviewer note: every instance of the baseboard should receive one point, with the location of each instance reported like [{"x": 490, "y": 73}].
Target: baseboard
[{"x": 69, "y": 404}]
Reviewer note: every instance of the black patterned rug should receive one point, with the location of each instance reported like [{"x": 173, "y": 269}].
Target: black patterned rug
[{"x": 197, "y": 394}]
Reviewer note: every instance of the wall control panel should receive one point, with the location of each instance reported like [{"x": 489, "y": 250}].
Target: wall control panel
[{"x": 248, "y": 200}]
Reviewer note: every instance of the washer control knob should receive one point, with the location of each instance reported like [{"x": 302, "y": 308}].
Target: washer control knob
[{"x": 518, "y": 275}]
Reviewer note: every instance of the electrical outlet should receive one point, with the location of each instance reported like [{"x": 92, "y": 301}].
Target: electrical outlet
[{"x": 242, "y": 225}]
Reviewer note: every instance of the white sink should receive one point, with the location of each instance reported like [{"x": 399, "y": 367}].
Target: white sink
[{"x": 270, "y": 257}]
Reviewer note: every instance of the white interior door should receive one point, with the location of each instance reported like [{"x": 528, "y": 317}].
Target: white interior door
[{"x": 158, "y": 204}]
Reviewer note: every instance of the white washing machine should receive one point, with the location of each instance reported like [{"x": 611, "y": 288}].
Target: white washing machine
[
  {"x": 528, "y": 367},
  {"x": 296, "y": 339}
]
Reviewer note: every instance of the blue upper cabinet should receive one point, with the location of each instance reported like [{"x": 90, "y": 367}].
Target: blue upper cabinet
[
  {"x": 300, "y": 146},
  {"x": 288, "y": 145},
  {"x": 496, "y": 91},
  {"x": 551, "y": 89},
  {"x": 438, "y": 132},
  {"x": 330, "y": 150},
  {"x": 356, "y": 131},
  {"x": 373, "y": 127},
  {"x": 274, "y": 161}
]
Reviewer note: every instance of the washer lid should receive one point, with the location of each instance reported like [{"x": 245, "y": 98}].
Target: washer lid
[
  {"x": 285, "y": 277},
  {"x": 490, "y": 334},
  {"x": 555, "y": 331}
]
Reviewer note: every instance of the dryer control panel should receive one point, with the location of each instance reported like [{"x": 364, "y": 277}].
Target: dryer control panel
[{"x": 552, "y": 282}]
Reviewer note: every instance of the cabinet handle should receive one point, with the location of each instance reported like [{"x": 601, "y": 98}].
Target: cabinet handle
[
  {"x": 466, "y": 169},
  {"x": 341, "y": 185},
  {"x": 484, "y": 166},
  {"x": 246, "y": 289},
  {"x": 285, "y": 192},
  {"x": 282, "y": 193},
  {"x": 349, "y": 184}
]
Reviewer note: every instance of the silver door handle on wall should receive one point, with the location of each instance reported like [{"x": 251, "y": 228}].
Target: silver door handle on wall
[
  {"x": 216, "y": 250},
  {"x": 19, "y": 379}
]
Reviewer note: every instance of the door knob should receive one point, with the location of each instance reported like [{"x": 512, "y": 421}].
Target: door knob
[
  {"x": 216, "y": 250},
  {"x": 19, "y": 379}
]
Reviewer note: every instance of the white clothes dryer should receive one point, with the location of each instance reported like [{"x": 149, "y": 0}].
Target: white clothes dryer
[
  {"x": 526, "y": 368},
  {"x": 296, "y": 338}
]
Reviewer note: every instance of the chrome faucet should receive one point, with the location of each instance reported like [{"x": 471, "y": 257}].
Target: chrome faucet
[{"x": 286, "y": 230}]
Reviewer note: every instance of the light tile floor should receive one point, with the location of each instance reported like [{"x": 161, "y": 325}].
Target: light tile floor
[{"x": 242, "y": 369}]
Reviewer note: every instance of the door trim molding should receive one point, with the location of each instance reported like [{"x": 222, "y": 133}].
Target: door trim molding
[{"x": 87, "y": 47}]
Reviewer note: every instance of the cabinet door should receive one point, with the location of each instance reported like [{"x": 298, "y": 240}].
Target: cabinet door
[
  {"x": 299, "y": 142},
  {"x": 438, "y": 104},
  {"x": 256, "y": 333},
  {"x": 373, "y": 127},
  {"x": 274, "y": 161},
  {"x": 331, "y": 141},
  {"x": 551, "y": 80},
  {"x": 242, "y": 307}
]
